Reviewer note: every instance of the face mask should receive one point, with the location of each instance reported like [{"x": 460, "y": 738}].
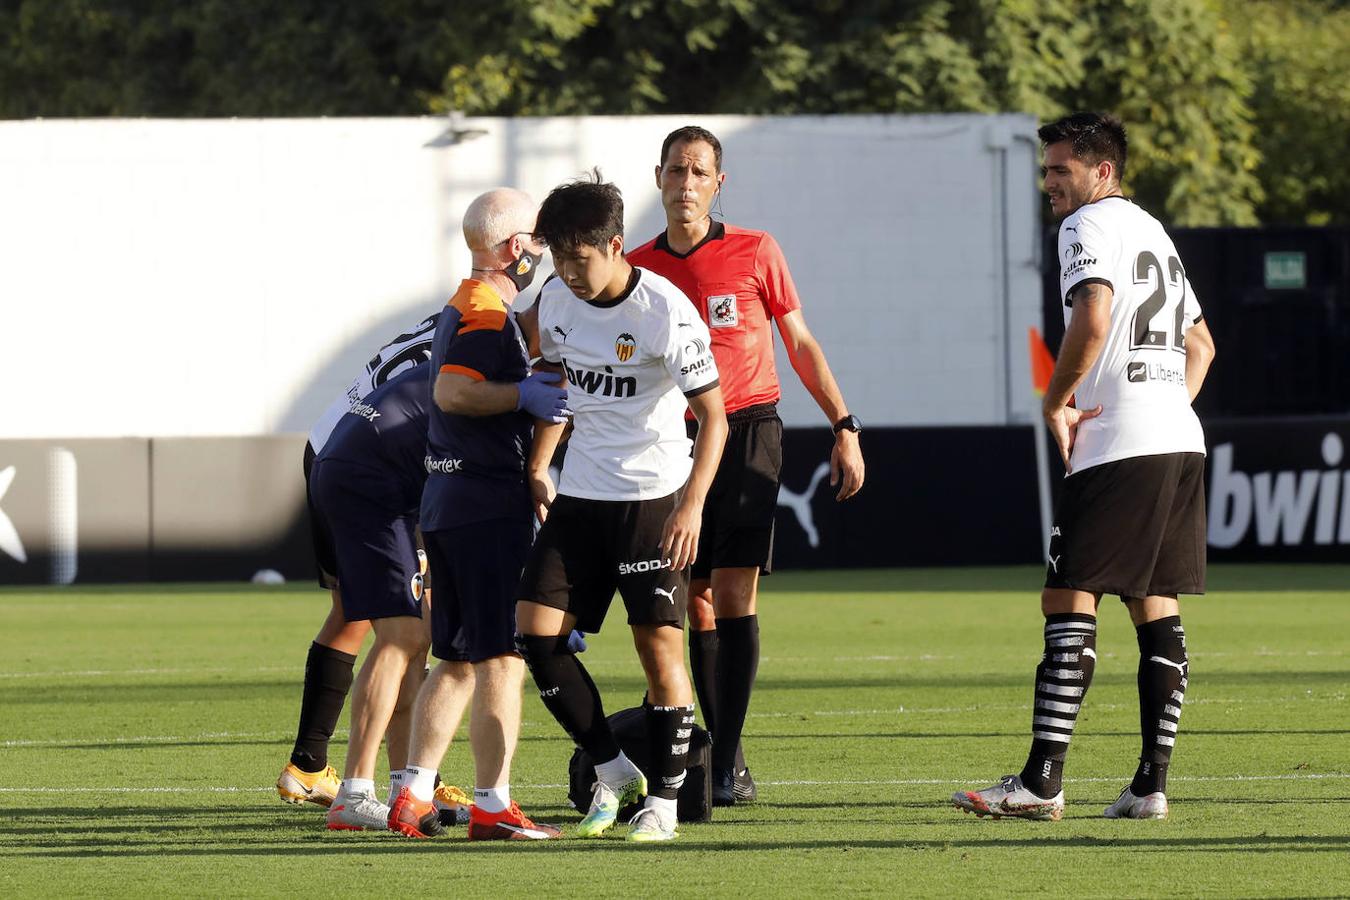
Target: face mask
[{"x": 521, "y": 269}]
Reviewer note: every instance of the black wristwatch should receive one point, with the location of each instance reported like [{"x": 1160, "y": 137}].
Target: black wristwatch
[{"x": 848, "y": 423}]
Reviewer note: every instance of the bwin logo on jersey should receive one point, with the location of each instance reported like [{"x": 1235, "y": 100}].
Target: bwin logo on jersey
[
  {"x": 604, "y": 383},
  {"x": 624, "y": 345},
  {"x": 1075, "y": 249}
]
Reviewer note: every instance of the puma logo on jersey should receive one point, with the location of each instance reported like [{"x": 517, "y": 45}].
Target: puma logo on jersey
[
  {"x": 1054, "y": 532},
  {"x": 604, "y": 384},
  {"x": 669, "y": 595},
  {"x": 557, "y": 329}
]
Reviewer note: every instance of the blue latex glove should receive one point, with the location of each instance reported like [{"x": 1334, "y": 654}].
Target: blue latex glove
[
  {"x": 576, "y": 641},
  {"x": 542, "y": 398}
]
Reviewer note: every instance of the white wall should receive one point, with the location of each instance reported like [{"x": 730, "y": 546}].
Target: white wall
[{"x": 229, "y": 276}]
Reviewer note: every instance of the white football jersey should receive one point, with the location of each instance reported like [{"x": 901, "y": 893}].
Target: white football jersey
[
  {"x": 630, "y": 364},
  {"x": 1140, "y": 378},
  {"x": 403, "y": 352}
]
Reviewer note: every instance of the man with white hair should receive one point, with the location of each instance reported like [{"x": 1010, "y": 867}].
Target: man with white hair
[{"x": 477, "y": 523}]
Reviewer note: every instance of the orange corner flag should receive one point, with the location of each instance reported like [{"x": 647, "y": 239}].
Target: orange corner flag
[{"x": 1042, "y": 363}]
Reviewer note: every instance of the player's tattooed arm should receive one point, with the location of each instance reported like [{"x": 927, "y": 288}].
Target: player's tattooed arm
[{"x": 1084, "y": 339}]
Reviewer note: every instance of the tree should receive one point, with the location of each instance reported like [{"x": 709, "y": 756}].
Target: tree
[
  {"x": 1296, "y": 51},
  {"x": 1167, "y": 67}
]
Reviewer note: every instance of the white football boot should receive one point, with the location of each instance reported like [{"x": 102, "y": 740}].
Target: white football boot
[
  {"x": 1128, "y": 806},
  {"x": 1010, "y": 798},
  {"x": 358, "y": 812},
  {"x": 652, "y": 825}
]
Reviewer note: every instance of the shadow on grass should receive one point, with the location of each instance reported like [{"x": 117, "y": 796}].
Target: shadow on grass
[{"x": 392, "y": 844}]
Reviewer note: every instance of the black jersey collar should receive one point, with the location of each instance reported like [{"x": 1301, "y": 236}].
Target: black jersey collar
[
  {"x": 716, "y": 232},
  {"x": 633, "y": 277}
]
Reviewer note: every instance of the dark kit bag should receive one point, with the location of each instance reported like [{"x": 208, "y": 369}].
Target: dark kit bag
[{"x": 630, "y": 730}]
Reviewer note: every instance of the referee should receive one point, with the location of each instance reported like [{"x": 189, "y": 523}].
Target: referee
[{"x": 739, "y": 282}]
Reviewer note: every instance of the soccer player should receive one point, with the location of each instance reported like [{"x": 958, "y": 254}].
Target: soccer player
[
  {"x": 630, "y": 500},
  {"x": 307, "y": 777},
  {"x": 1131, "y": 515},
  {"x": 477, "y": 523},
  {"x": 366, "y": 486},
  {"x": 739, "y": 282}
]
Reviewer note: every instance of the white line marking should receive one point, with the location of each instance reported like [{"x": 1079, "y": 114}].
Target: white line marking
[
  {"x": 173, "y": 789},
  {"x": 605, "y": 663},
  {"x": 103, "y": 673}
]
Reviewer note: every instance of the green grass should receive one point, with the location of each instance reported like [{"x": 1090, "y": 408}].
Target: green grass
[{"x": 141, "y": 730}]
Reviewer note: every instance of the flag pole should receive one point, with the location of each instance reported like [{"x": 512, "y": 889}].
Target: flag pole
[{"x": 1042, "y": 365}]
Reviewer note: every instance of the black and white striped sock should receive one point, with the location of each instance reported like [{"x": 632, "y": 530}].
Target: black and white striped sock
[
  {"x": 1062, "y": 680},
  {"x": 1163, "y": 672}
]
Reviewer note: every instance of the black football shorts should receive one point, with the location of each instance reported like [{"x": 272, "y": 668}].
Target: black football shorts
[
  {"x": 588, "y": 549},
  {"x": 1134, "y": 527},
  {"x": 379, "y": 571}
]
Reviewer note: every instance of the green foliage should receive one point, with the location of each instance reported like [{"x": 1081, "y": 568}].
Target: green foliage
[
  {"x": 1167, "y": 67},
  {"x": 1208, "y": 88},
  {"x": 1297, "y": 53},
  {"x": 219, "y": 57}
]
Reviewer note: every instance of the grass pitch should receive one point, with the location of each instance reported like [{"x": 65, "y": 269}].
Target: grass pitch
[{"x": 141, "y": 730}]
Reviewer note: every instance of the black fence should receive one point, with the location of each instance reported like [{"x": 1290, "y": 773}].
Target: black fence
[
  {"x": 1277, "y": 301},
  {"x": 220, "y": 509}
]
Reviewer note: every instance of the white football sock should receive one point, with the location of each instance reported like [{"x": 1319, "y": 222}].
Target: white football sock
[
  {"x": 397, "y": 779},
  {"x": 492, "y": 800},
  {"x": 665, "y": 808},
  {"x": 357, "y": 787},
  {"x": 422, "y": 782},
  {"x": 619, "y": 770}
]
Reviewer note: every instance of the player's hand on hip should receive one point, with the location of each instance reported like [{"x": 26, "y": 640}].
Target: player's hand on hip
[
  {"x": 846, "y": 465},
  {"x": 1063, "y": 424},
  {"x": 679, "y": 537},
  {"x": 542, "y": 493},
  {"x": 541, "y": 397}
]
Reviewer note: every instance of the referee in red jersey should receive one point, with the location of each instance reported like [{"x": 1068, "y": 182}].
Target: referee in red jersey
[{"x": 739, "y": 282}]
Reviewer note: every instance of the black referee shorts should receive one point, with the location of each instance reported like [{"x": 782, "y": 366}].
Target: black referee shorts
[
  {"x": 588, "y": 549},
  {"x": 1134, "y": 527},
  {"x": 738, "y": 513}
]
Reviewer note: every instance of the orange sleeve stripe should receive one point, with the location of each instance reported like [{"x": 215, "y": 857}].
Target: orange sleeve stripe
[
  {"x": 480, "y": 309},
  {"x": 465, "y": 371}
]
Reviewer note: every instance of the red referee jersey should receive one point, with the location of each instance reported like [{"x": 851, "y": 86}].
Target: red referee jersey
[{"x": 739, "y": 282}]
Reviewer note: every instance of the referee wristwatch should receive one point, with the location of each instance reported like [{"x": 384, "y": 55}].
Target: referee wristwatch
[{"x": 848, "y": 423}]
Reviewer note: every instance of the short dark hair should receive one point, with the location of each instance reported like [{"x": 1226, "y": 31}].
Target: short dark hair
[
  {"x": 587, "y": 212},
  {"x": 1092, "y": 137},
  {"x": 689, "y": 134}
]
